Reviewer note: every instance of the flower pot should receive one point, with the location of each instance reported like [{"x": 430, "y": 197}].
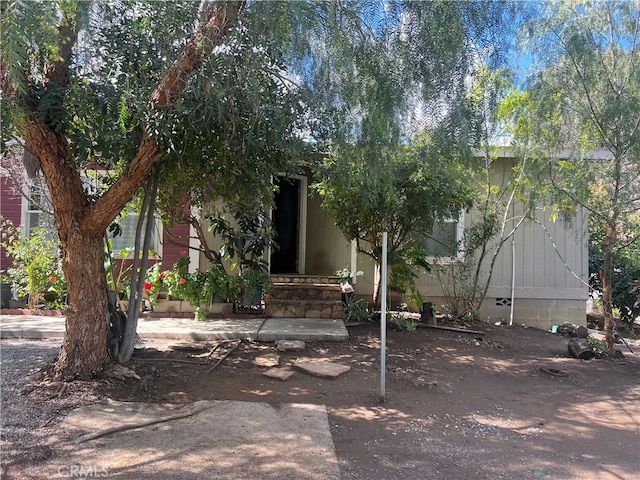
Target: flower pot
[
  {"x": 5, "y": 295},
  {"x": 221, "y": 307},
  {"x": 252, "y": 296}
]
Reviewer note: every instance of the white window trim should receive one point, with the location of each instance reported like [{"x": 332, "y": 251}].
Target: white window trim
[{"x": 26, "y": 211}]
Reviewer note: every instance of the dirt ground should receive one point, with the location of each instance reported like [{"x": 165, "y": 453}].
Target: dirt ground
[{"x": 509, "y": 404}]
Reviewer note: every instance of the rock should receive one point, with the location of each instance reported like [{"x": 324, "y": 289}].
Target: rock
[
  {"x": 582, "y": 332},
  {"x": 322, "y": 369},
  {"x": 188, "y": 347},
  {"x": 121, "y": 373},
  {"x": 269, "y": 360},
  {"x": 290, "y": 345},
  {"x": 279, "y": 373}
]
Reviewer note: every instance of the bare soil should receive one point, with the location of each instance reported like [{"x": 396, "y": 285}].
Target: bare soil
[{"x": 509, "y": 404}]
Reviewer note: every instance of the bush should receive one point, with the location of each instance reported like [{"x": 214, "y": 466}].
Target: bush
[
  {"x": 356, "y": 310},
  {"x": 37, "y": 272}
]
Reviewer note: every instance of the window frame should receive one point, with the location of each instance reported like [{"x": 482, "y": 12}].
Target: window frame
[
  {"x": 459, "y": 256},
  {"x": 153, "y": 249},
  {"x": 91, "y": 180},
  {"x": 30, "y": 207}
]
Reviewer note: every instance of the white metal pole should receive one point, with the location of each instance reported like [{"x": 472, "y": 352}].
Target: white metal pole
[
  {"x": 383, "y": 319},
  {"x": 513, "y": 277}
]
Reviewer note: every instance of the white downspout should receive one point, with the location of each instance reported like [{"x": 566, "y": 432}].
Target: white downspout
[{"x": 513, "y": 276}]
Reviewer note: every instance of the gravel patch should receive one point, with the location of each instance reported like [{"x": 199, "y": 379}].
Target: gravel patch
[{"x": 31, "y": 405}]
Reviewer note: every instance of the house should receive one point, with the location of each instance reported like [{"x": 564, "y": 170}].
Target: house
[
  {"x": 167, "y": 244},
  {"x": 539, "y": 278}
]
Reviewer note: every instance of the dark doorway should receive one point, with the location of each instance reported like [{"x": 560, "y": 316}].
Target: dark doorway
[{"x": 286, "y": 225}]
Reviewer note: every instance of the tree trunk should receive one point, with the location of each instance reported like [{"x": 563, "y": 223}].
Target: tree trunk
[
  {"x": 607, "y": 287},
  {"x": 81, "y": 223},
  {"x": 84, "y": 351},
  {"x": 377, "y": 285}
]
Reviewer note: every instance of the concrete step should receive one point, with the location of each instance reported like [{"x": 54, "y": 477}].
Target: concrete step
[{"x": 295, "y": 308}]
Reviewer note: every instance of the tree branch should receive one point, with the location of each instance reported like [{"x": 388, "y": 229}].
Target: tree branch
[{"x": 218, "y": 24}]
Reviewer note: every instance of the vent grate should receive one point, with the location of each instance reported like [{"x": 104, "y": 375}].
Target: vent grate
[{"x": 503, "y": 302}]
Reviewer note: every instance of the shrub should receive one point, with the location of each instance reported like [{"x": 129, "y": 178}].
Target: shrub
[{"x": 37, "y": 271}]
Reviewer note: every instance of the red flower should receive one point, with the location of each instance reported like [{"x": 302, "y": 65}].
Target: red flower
[
  {"x": 52, "y": 279},
  {"x": 153, "y": 255},
  {"x": 147, "y": 286},
  {"x": 182, "y": 281},
  {"x": 183, "y": 253},
  {"x": 162, "y": 275}
]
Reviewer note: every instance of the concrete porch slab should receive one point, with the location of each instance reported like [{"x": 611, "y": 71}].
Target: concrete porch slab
[
  {"x": 305, "y": 329},
  {"x": 255, "y": 329},
  {"x": 210, "y": 329}
]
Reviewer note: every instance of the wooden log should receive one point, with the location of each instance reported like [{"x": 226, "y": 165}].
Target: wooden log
[
  {"x": 426, "y": 314},
  {"x": 451, "y": 329}
]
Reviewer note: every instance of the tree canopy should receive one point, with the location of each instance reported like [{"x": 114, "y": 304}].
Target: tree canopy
[
  {"x": 223, "y": 90},
  {"x": 583, "y": 120}
]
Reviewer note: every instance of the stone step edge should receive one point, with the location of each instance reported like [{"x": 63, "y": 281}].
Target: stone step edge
[
  {"x": 290, "y": 301},
  {"x": 304, "y": 280},
  {"x": 319, "y": 286}
]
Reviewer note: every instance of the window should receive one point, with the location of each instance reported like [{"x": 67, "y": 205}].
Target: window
[
  {"x": 127, "y": 238},
  {"x": 444, "y": 241},
  {"x": 33, "y": 214}
]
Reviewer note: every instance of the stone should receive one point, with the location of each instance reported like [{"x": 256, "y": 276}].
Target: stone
[
  {"x": 290, "y": 345},
  {"x": 269, "y": 360},
  {"x": 279, "y": 373},
  {"x": 188, "y": 347},
  {"x": 322, "y": 369}
]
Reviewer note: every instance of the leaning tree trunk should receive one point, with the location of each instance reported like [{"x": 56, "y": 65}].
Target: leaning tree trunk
[{"x": 607, "y": 287}]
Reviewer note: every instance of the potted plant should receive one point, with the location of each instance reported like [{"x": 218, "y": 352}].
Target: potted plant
[
  {"x": 5, "y": 290},
  {"x": 244, "y": 245}
]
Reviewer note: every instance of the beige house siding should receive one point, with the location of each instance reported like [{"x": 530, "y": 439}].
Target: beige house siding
[{"x": 546, "y": 292}]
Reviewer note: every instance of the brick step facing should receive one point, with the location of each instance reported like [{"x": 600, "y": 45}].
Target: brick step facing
[
  {"x": 304, "y": 296},
  {"x": 303, "y": 309},
  {"x": 297, "y": 291}
]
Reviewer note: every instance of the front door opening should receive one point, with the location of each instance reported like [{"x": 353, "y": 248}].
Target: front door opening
[{"x": 286, "y": 226}]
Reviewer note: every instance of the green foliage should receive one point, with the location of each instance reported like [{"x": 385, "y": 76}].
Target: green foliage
[
  {"x": 625, "y": 277},
  {"x": 404, "y": 323},
  {"x": 346, "y": 275},
  {"x": 245, "y": 242},
  {"x": 36, "y": 270},
  {"x": 198, "y": 287},
  {"x": 599, "y": 346},
  {"x": 401, "y": 191},
  {"x": 118, "y": 271},
  {"x": 356, "y": 310},
  {"x": 585, "y": 96},
  {"x": 154, "y": 282}
]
